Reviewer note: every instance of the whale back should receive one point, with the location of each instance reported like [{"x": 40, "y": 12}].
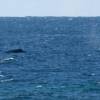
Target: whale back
[{"x": 15, "y": 51}]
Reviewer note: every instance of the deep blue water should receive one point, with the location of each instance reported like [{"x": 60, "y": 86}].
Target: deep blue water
[{"x": 61, "y": 62}]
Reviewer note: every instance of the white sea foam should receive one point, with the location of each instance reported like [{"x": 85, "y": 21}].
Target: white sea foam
[
  {"x": 93, "y": 74},
  {"x": 89, "y": 55},
  {"x": 6, "y": 59},
  {"x": 39, "y": 86},
  {"x": 6, "y": 80},
  {"x": 2, "y": 75},
  {"x": 98, "y": 82}
]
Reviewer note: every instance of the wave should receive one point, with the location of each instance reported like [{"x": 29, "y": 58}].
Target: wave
[
  {"x": 6, "y": 80},
  {"x": 6, "y": 59}
]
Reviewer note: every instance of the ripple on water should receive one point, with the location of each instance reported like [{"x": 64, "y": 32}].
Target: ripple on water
[
  {"x": 39, "y": 86},
  {"x": 6, "y": 80},
  {"x": 2, "y": 75}
]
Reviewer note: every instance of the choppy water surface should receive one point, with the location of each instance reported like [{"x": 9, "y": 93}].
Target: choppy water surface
[{"x": 61, "y": 62}]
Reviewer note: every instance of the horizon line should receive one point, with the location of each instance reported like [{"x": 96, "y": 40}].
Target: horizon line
[{"x": 50, "y": 16}]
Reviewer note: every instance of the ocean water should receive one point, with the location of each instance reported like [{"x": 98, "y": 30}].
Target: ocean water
[{"x": 61, "y": 62}]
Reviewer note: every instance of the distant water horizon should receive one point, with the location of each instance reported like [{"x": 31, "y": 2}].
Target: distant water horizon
[{"x": 50, "y": 16}]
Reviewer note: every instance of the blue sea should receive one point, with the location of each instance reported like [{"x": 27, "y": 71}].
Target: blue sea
[{"x": 61, "y": 59}]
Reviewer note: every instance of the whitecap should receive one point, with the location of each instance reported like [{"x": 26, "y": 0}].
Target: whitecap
[
  {"x": 98, "y": 82},
  {"x": 39, "y": 86},
  {"x": 6, "y": 59},
  {"x": 93, "y": 74},
  {"x": 6, "y": 80},
  {"x": 2, "y": 75},
  {"x": 89, "y": 55}
]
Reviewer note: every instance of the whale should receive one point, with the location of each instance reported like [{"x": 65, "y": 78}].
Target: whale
[{"x": 15, "y": 51}]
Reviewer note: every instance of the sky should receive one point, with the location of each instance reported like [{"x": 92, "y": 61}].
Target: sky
[{"x": 49, "y": 7}]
